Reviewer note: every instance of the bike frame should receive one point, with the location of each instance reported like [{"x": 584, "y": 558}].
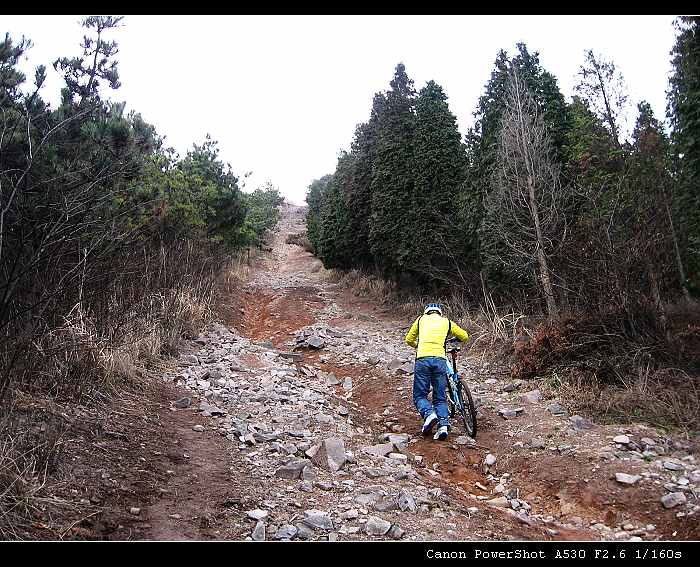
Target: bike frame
[{"x": 453, "y": 378}]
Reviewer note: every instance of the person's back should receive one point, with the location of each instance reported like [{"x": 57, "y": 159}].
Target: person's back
[{"x": 432, "y": 331}]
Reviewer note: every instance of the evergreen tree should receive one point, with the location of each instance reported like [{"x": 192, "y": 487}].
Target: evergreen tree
[
  {"x": 684, "y": 116},
  {"x": 314, "y": 200},
  {"x": 335, "y": 241},
  {"x": 392, "y": 184},
  {"x": 440, "y": 170},
  {"x": 603, "y": 87},
  {"x": 358, "y": 192}
]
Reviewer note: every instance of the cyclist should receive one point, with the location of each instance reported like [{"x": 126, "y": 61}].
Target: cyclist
[{"x": 428, "y": 336}]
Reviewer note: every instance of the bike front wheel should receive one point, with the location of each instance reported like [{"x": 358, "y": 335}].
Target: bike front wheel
[{"x": 465, "y": 405}]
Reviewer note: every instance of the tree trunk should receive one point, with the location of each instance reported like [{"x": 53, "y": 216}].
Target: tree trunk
[
  {"x": 659, "y": 304},
  {"x": 552, "y": 310},
  {"x": 679, "y": 261}
]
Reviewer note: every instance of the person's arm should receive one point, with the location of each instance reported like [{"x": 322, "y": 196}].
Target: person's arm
[
  {"x": 412, "y": 335},
  {"x": 460, "y": 333}
]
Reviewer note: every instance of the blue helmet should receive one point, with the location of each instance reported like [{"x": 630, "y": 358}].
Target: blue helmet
[{"x": 432, "y": 307}]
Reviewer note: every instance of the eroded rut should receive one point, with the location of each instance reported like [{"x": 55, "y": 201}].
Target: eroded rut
[{"x": 308, "y": 364}]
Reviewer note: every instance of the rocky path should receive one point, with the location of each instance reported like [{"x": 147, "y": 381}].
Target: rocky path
[{"x": 295, "y": 421}]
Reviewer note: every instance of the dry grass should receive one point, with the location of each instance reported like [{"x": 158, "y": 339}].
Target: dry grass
[
  {"x": 617, "y": 367},
  {"x": 86, "y": 361},
  {"x": 300, "y": 239},
  {"x": 668, "y": 398},
  {"x": 363, "y": 285},
  {"x": 29, "y": 455}
]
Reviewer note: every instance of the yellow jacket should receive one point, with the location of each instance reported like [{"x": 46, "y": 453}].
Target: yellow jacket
[{"x": 430, "y": 332}]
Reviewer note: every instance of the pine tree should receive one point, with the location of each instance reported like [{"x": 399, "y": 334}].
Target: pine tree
[
  {"x": 683, "y": 114},
  {"x": 392, "y": 184},
  {"x": 440, "y": 170},
  {"x": 603, "y": 87},
  {"x": 314, "y": 200},
  {"x": 358, "y": 192}
]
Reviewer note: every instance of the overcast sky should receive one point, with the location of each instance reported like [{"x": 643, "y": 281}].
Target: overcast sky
[{"x": 283, "y": 94}]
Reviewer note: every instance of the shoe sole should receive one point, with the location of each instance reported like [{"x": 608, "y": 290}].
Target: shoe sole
[{"x": 427, "y": 429}]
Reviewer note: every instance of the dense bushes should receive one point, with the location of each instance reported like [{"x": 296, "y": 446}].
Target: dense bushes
[
  {"x": 102, "y": 229},
  {"x": 544, "y": 202}
]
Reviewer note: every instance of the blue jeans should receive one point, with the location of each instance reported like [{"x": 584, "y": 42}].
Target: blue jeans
[{"x": 431, "y": 371}]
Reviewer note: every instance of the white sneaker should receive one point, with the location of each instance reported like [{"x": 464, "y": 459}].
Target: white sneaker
[
  {"x": 441, "y": 434},
  {"x": 429, "y": 423}
]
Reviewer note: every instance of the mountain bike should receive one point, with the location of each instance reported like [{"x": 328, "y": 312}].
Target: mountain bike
[{"x": 459, "y": 398}]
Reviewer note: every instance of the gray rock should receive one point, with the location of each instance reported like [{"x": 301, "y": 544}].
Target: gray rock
[
  {"x": 347, "y": 383},
  {"x": 376, "y": 526},
  {"x": 324, "y": 418},
  {"x": 464, "y": 440},
  {"x": 621, "y": 439},
  {"x": 490, "y": 460},
  {"x": 265, "y": 437},
  {"x": 257, "y": 514},
  {"x": 294, "y": 357},
  {"x": 395, "y": 438},
  {"x": 259, "y": 532},
  {"x": 207, "y": 408},
  {"x": 308, "y": 474},
  {"x": 376, "y": 473},
  {"x": 385, "y": 504},
  {"x": 532, "y": 397},
  {"x": 405, "y": 369},
  {"x": 624, "y": 478},
  {"x": 293, "y": 469},
  {"x": 331, "y": 380},
  {"x": 286, "y": 531},
  {"x": 395, "y": 532},
  {"x": 511, "y": 387},
  {"x": 537, "y": 443},
  {"x": 580, "y": 423},
  {"x": 379, "y": 450},
  {"x": 299, "y": 434},
  {"x": 316, "y": 342},
  {"x": 318, "y": 520},
  {"x": 351, "y": 514},
  {"x": 304, "y": 531},
  {"x": 183, "y": 403},
  {"x": 406, "y": 502},
  {"x": 673, "y": 466},
  {"x": 331, "y": 454},
  {"x": 499, "y": 502},
  {"x": 673, "y": 499},
  {"x": 557, "y": 409},
  {"x": 343, "y": 411},
  {"x": 510, "y": 413},
  {"x": 310, "y": 452},
  {"x": 369, "y": 499}
]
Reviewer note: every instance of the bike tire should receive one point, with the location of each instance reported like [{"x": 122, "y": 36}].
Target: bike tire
[{"x": 467, "y": 410}]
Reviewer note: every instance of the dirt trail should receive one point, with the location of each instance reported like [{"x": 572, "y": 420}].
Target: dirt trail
[{"x": 558, "y": 473}]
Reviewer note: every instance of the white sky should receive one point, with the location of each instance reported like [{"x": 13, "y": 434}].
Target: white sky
[{"x": 283, "y": 94}]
